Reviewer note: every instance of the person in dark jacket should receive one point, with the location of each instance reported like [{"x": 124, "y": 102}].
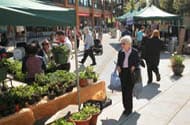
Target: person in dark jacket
[
  {"x": 127, "y": 63},
  {"x": 152, "y": 55},
  {"x": 32, "y": 64}
]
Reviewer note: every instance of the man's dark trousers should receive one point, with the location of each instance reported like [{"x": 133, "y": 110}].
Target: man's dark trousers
[{"x": 90, "y": 53}]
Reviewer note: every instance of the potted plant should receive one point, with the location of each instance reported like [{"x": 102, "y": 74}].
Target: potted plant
[
  {"x": 177, "y": 64},
  {"x": 60, "y": 54},
  {"x": 80, "y": 118},
  {"x": 62, "y": 122},
  {"x": 83, "y": 79},
  {"x": 91, "y": 75},
  {"x": 92, "y": 110}
]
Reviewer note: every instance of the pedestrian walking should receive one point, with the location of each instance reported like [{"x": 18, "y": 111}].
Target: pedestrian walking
[
  {"x": 88, "y": 47},
  {"x": 152, "y": 55},
  {"x": 127, "y": 63},
  {"x": 126, "y": 31},
  {"x": 139, "y": 37}
]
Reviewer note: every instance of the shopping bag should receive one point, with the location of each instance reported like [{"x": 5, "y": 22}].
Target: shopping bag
[
  {"x": 137, "y": 83},
  {"x": 115, "y": 83}
]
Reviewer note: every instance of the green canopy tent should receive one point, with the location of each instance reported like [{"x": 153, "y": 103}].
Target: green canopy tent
[
  {"x": 124, "y": 16},
  {"x": 152, "y": 12},
  {"x": 11, "y": 16},
  {"x": 38, "y": 13},
  {"x": 35, "y": 13}
]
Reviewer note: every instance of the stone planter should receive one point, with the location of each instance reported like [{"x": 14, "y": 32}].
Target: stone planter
[{"x": 178, "y": 69}]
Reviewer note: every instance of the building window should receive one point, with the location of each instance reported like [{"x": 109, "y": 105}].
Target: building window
[
  {"x": 71, "y": 1},
  {"x": 85, "y": 3}
]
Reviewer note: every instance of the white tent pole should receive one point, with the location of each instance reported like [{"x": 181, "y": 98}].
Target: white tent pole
[{"x": 77, "y": 69}]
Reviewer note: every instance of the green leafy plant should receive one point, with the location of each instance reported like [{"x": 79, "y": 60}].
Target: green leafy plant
[
  {"x": 4, "y": 63},
  {"x": 14, "y": 66},
  {"x": 91, "y": 109},
  {"x": 88, "y": 73},
  {"x": 62, "y": 122},
  {"x": 61, "y": 54},
  {"x": 177, "y": 60},
  {"x": 51, "y": 66},
  {"x": 42, "y": 79},
  {"x": 82, "y": 75},
  {"x": 20, "y": 76},
  {"x": 79, "y": 116},
  {"x": 61, "y": 49}
]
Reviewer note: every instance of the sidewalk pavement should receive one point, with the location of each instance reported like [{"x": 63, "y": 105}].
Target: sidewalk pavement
[{"x": 163, "y": 103}]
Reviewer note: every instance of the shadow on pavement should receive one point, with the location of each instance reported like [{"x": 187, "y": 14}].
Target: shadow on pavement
[
  {"x": 123, "y": 120},
  {"x": 116, "y": 46},
  {"x": 149, "y": 91},
  {"x": 131, "y": 119},
  {"x": 175, "y": 78},
  {"x": 109, "y": 122}
]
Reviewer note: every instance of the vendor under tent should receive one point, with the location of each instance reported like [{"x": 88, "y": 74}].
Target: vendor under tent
[{"x": 38, "y": 13}]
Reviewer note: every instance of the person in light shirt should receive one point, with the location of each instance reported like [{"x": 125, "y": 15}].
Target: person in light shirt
[
  {"x": 127, "y": 63},
  {"x": 64, "y": 40}
]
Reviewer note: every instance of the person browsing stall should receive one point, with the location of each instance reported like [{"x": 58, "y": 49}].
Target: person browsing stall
[
  {"x": 32, "y": 64},
  {"x": 64, "y": 40}
]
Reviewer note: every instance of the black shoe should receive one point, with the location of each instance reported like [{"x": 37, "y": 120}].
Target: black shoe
[
  {"x": 158, "y": 77},
  {"x": 93, "y": 64},
  {"x": 126, "y": 113},
  {"x": 149, "y": 82}
]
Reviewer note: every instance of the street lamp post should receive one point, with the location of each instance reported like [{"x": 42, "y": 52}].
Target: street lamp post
[{"x": 76, "y": 57}]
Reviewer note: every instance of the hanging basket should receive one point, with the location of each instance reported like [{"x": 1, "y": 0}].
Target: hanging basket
[{"x": 3, "y": 73}]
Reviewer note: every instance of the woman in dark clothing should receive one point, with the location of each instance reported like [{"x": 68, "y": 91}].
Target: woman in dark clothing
[
  {"x": 152, "y": 55},
  {"x": 127, "y": 63},
  {"x": 32, "y": 64},
  {"x": 145, "y": 39}
]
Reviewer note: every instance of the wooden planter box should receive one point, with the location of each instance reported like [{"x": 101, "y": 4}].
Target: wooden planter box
[
  {"x": 23, "y": 117},
  {"x": 48, "y": 108}
]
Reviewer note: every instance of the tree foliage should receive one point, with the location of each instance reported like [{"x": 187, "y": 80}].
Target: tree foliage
[
  {"x": 175, "y": 6},
  {"x": 134, "y": 5}
]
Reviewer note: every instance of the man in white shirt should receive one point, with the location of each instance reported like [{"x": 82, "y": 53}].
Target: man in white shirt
[{"x": 64, "y": 40}]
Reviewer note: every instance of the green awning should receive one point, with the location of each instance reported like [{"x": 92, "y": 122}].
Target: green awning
[
  {"x": 124, "y": 17},
  {"x": 35, "y": 12}
]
